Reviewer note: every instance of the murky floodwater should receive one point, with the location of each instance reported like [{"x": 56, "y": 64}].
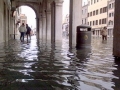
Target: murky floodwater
[{"x": 40, "y": 66}]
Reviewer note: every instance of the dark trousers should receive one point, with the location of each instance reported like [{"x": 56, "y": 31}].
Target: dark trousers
[
  {"x": 104, "y": 37},
  {"x": 22, "y": 36},
  {"x": 28, "y": 35}
]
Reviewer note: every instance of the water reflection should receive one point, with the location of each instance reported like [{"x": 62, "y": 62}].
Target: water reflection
[
  {"x": 42, "y": 66},
  {"x": 117, "y": 74}
]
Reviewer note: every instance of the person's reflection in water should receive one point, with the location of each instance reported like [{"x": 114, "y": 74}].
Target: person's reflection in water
[
  {"x": 104, "y": 42},
  {"x": 116, "y": 72}
]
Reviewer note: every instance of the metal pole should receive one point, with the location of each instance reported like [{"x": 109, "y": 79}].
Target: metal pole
[{"x": 14, "y": 27}]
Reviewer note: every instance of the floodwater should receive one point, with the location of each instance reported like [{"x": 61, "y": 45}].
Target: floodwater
[{"x": 40, "y": 66}]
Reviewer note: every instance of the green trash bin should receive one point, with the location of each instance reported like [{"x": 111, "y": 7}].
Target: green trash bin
[{"x": 83, "y": 36}]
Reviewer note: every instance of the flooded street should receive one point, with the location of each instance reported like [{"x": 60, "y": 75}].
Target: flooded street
[{"x": 40, "y": 66}]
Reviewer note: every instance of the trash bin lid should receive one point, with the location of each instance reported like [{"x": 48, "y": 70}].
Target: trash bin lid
[{"x": 83, "y": 26}]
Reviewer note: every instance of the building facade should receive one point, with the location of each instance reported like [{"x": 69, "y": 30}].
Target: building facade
[
  {"x": 65, "y": 26},
  {"x": 23, "y": 19},
  {"x": 85, "y": 14},
  {"x": 97, "y": 15},
  {"x": 110, "y": 24},
  {"x": 16, "y": 16}
]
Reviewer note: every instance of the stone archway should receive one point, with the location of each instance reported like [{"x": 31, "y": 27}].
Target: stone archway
[
  {"x": 29, "y": 5},
  {"x": 34, "y": 5},
  {"x": 25, "y": 18}
]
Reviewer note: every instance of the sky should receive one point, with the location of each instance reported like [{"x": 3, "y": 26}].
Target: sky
[
  {"x": 29, "y": 12},
  {"x": 65, "y": 8},
  {"x": 84, "y": 1}
]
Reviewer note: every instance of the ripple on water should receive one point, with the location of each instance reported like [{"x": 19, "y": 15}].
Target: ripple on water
[{"x": 40, "y": 65}]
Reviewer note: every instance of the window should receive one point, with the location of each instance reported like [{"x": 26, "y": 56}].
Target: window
[
  {"x": 104, "y": 9},
  {"x": 90, "y": 13},
  {"x": 112, "y": 14},
  {"x": 100, "y": 10},
  {"x": 112, "y": 5},
  {"x": 96, "y": 22},
  {"x": 109, "y": 6},
  {"x": 85, "y": 20},
  {"x": 93, "y": 23},
  {"x": 94, "y": 1},
  {"x": 93, "y": 13},
  {"x": 90, "y": 23},
  {"x": 109, "y": 14},
  {"x": 91, "y": 2},
  {"x": 67, "y": 20},
  {"x": 23, "y": 21},
  {"x": 110, "y": 22},
  {"x": 105, "y": 20},
  {"x": 100, "y": 22},
  {"x": 96, "y": 12},
  {"x": 82, "y": 11}
]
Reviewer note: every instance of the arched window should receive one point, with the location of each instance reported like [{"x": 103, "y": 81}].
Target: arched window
[{"x": 110, "y": 22}]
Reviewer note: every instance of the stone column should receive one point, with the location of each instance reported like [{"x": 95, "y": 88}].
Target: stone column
[
  {"x": 14, "y": 27},
  {"x": 44, "y": 27},
  {"x": 40, "y": 26},
  {"x": 48, "y": 20},
  {"x": 1, "y": 21},
  {"x": 11, "y": 24},
  {"x": 37, "y": 27},
  {"x": 52, "y": 22},
  {"x": 5, "y": 22},
  {"x": 58, "y": 20},
  {"x": 75, "y": 19},
  {"x": 116, "y": 31},
  {"x": 44, "y": 22}
]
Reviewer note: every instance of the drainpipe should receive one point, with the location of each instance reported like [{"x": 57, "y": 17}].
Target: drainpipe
[
  {"x": 107, "y": 13},
  {"x": 14, "y": 27}
]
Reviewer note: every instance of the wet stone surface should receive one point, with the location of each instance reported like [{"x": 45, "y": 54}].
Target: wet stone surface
[{"x": 40, "y": 66}]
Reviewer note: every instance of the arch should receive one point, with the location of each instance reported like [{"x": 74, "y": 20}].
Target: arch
[{"x": 29, "y": 5}]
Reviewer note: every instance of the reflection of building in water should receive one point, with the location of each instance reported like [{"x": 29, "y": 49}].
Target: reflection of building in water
[{"x": 116, "y": 73}]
